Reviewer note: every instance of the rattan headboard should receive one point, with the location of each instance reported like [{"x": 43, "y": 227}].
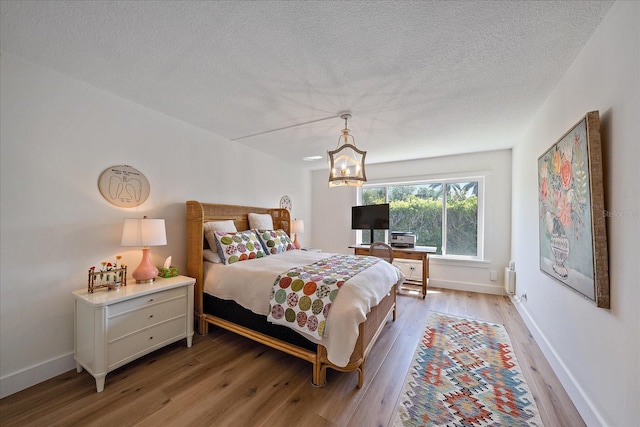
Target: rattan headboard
[{"x": 198, "y": 213}]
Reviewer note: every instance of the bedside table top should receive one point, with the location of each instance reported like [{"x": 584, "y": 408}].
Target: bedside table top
[{"x": 102, "y": 297}]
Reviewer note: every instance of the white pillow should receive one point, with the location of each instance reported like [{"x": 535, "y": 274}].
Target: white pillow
[
  {"x": 260, "y": 221},
  {"x": 211, "y": 227},
  {"x": 227, "y": 226},
  {"x": 211, "y": 256}
]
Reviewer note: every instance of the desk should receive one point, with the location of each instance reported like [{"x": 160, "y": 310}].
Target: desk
[{"x": 420, "y": 253}]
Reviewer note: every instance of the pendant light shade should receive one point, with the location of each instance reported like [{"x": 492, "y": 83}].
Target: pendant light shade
[{"x": 346, "y": 162}]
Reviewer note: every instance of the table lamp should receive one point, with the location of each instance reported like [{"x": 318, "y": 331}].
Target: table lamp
[
  {"x": 144, "y": 232},
  {"x": 297, "y": 226}
]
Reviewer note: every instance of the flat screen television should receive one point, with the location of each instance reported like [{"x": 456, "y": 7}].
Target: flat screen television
[{"x": 370, "y": 217}]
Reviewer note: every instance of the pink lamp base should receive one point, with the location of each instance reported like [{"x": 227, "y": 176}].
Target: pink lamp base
[
  {"x": 295, "y": 241},
  {"x": 145, "y": 272}
]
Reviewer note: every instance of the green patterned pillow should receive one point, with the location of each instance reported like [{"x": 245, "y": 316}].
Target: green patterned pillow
[
  {"x": 275, "y": 241},
  {"x": 239, "y": 246}
]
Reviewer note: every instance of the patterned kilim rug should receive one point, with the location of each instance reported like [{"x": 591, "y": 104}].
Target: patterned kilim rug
[{"x": 465, "y": 373}]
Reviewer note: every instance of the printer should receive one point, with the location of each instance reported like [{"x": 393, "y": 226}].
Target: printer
[{"x": 403, "y": 239}]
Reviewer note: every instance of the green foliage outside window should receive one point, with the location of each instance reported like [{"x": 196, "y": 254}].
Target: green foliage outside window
[
  {"x": 419, "y": 209},
  {"x": 419, "y": 216},
  {"x": 462, "y": 226}
]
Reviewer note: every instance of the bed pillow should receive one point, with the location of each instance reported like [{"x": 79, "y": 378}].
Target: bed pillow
[
  {"x": 212, "y": 226},
  {"x": 275, "y": 241},
  {"x": 260, "y": 221},
  {"x": 239, "y": 246},
  {"x": 212, "y": 256}
]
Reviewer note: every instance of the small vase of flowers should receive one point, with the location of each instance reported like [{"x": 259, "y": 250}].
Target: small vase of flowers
[{"x": 110, "y": 275}]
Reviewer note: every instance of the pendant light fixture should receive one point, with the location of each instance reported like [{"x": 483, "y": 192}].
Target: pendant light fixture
[{"x": 346, "y": 162}]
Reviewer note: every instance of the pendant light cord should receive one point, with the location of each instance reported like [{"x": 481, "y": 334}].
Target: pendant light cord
[{"x": 286, "y": 127}]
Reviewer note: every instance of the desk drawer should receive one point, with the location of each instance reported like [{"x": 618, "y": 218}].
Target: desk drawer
[
  {"x": 146, "y": 300},
  {"x": 132, "y": 346},
  {"x": 398, "y": 253},
  {"x": 144, "y": 317}
]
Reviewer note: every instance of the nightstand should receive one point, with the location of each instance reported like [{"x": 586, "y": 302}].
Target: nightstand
[{"x": 112, "y": 328}]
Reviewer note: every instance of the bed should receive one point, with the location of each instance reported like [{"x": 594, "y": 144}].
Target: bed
[{"x": 222, "y": 310}]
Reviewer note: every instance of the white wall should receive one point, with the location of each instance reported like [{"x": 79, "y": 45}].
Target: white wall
[
  {"x": 332, "y": 214},
  {"x": 57, "y": 136},
  {"x": 594, "y": 351}
]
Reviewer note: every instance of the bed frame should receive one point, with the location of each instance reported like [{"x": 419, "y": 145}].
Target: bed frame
[{"x": 199, "y": 213}]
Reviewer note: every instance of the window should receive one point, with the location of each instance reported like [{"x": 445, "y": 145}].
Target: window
[{"x": 443, "y": 213}]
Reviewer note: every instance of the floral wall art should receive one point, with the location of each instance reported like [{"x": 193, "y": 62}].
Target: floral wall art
[{"x": 573, "y": 240}]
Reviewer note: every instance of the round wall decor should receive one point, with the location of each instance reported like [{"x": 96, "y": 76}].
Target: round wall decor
[
  {"x": 285, "y": 203},
  {"x": 124, "y": 186}
]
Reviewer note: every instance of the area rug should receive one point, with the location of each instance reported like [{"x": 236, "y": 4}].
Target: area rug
[{"x": 465, "y": 373}]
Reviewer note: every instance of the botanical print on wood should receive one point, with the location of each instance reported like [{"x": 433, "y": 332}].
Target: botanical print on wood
[{"x": 571, "y": 212}]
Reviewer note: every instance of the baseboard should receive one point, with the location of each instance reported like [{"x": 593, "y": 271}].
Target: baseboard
[
  {"x": 583, "y": 404},
  {"x": 467, "y": 286},
  {"x": 28, "y": 377}
]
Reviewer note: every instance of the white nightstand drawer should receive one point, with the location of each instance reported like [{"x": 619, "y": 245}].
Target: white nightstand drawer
[
  {"x": 131, "y": 346},
  {"x": 133, "y": 304},
  {"x": 142, "y": 318}
]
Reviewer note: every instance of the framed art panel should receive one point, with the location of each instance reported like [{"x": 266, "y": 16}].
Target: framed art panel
[
  {"x": 124, "y": 186},
  {"x": 572, "y": 229}
]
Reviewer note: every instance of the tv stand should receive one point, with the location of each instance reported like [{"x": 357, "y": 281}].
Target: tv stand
[{"x": 371, "y": 236}]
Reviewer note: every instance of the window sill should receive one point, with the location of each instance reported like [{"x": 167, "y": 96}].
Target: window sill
[{"x": 459, "y": 262}]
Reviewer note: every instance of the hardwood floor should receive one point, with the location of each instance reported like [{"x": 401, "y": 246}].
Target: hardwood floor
[{"x": 228, "y": 380}]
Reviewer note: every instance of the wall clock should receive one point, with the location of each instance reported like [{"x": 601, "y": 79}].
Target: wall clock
[
  {"x": 124, "y": 186},
  {"x": 285, "y": 203}
]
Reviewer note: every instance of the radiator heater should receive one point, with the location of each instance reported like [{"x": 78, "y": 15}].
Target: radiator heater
[{"x": 509, "y": 281}]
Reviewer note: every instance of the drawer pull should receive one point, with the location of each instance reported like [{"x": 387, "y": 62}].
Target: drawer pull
[
  {"x": 150, "y": 338},
  {"x": 151, "y": 317},
  {"x": 151, "y": 300}
]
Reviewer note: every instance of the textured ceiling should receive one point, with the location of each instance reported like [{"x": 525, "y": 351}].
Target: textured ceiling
[{"x": 421, "y": 79}]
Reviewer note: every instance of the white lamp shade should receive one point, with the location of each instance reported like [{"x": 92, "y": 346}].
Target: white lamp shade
[
  {"x": 144, "y": 232},
  {"x": 297, "y": 226}
]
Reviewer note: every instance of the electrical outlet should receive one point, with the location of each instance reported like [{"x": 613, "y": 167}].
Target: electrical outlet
[
  {"x": 493, "y": 275},
  {"x": 523, "y": 297}
]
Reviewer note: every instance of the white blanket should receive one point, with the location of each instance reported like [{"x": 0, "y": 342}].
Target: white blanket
[{"x": 249, "y": 283}]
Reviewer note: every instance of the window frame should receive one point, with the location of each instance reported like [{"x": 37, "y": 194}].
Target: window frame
[{"x": 439, "y": 179}]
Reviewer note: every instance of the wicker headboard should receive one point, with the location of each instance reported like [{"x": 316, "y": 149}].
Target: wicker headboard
[{"x": 199, "y": 213}]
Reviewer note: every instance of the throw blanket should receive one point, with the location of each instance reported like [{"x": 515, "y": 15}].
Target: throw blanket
[{"x": 301, "y": 298}]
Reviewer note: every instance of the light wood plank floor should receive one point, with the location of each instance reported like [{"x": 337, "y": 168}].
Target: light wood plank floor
[{"x": 227, "y": 380}]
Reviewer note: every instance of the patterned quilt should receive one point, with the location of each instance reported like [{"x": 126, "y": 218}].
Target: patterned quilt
[{"x": 301, "y": 298}]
